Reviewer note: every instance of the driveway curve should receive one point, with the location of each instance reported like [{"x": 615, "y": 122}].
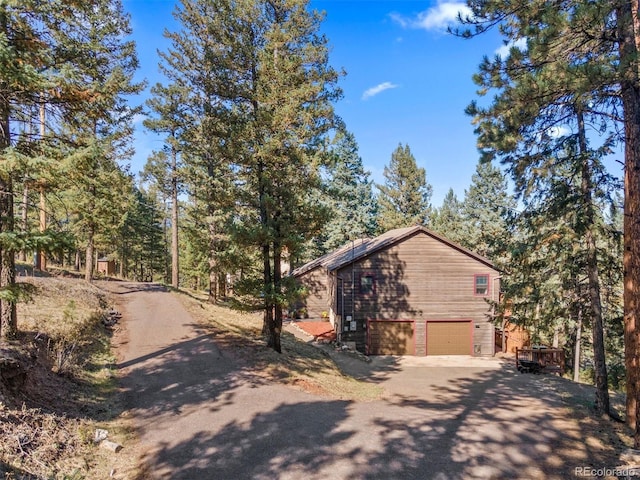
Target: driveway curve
[{"x": 201, "y": 415}]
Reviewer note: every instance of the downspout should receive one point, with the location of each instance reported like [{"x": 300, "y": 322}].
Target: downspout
[
  {"x": 493, "y": 316},
  {"x": 340, "y": 281},
  {"x": 353, "y": 285}
]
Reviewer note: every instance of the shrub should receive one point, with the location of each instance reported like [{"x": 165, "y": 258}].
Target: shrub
[{"x": 68, "y": 337}]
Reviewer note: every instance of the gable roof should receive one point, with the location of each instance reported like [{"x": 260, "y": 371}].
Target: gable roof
[{"x": 358, "y": 249}]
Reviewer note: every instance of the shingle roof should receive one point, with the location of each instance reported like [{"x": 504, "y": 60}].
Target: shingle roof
[{"x": 361, "y": 248}]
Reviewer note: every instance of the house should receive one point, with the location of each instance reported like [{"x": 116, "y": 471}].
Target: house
[
  {"x": 406, "y": 292},
  {"x": 106, "y": 266}
]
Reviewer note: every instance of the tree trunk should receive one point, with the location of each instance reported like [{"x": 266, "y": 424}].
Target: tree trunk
[
  {"x": 213, "y": 262},
  {"x": 276, "y": 328},
  {"x": 267, "y": 325},
  {"x": 578, "y": 344},
  {"x": 599, "y": 357},
  {"x": 175, "y": 266},
  {"x": 8, "y": 316},
  {"x": 25, "y": 215},
  {"x": 42, "y": 256},
  {"x": 88, "y": 267},
  {"x": 629, "y": 42}
]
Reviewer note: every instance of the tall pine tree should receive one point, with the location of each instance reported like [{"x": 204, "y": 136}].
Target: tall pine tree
[
  {"x": 447, "y": 220},
  {"x": 405, "y": 196},
  {"x": 485, "y": 210},
  {"x": 167, "y": 104},
  {"x": 550, "y": 87},
  {"x": 349, "y": 196},
  {"x": 259, "y": 110}
]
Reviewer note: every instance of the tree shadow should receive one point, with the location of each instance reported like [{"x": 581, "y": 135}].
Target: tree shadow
[
  {"x": 299, "y": 437},
  {"x": 467, "y": 423},
  {"x": 492, "y": 424},
  {"x": 180, "y": 376},
  {"x": 126, "y": 288}
]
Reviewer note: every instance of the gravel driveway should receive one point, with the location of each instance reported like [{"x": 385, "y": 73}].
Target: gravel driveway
[{"x": 200, "y": 416}]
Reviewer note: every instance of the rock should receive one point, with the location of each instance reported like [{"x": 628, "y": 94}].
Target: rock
[
  {"x": 112, "y": 446},
  {"x": 100, "y": 435}
]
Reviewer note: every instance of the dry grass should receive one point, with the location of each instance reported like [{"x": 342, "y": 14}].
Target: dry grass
[
  {"x": 300, "y": 365},
  {"x": 49, "y": 423}
]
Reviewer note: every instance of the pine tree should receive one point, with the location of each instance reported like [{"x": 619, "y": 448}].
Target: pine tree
[
  {"x": 292, "y": 114},
  {"x": 49, "y": 55},
  {"x": 349, "y": 196},
  {"x": 167, "y": 103},
  {"x": 209, "y": 114},
  {"x": 405, "y": 196},
  {"x": 258, "y": 111},
  {"x": 628, "y": 45},
  {"x": 485, "y": 209},
  {"x": 143, "y": 238},
  {"x": 156, "y": 180},
  {"x": 447, "y": 220},
  {"x": 542, "y": 91}
]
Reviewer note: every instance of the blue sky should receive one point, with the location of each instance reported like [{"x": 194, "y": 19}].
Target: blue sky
[{"x": 407, "y": 81}]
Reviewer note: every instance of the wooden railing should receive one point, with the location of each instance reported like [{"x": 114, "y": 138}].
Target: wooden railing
[{"x": 540, "y": 360}]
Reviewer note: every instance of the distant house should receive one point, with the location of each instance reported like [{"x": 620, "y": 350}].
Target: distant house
[
  {"x": 406, "y": 292},
  {"x": 106, "y": 266}
]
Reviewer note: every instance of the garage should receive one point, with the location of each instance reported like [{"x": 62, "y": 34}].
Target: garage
[
  {"x": 391, "y": 338},
  {"x": 449, "y": 338}
]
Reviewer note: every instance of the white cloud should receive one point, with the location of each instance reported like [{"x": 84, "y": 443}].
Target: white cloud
[
  {"x": 139, "y": 118},
  {"x": 443, "y": 15},
  {"x": 373, "y": 91},
  {"x": 504, "y": 50}
]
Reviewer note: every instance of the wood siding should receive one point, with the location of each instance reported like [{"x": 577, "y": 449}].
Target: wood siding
[
  {"x": 317, "y": 300},
  {"x": 420, "y": 279}
]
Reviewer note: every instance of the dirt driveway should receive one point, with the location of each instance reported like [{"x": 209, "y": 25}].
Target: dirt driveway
[{"x": 201, "y": 416}]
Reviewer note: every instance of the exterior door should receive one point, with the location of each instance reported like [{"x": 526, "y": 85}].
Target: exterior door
[
  {"x": 449, "y": 338},
  {"x": 391, "y": 337}
]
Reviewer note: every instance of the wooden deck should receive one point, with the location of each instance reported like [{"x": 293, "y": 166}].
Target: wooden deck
[{"x": 540, "y": 360}]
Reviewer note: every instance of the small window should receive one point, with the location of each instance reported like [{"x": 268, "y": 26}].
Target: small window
[
  {"x": 367, "y": 283},
  {"x": 481, "y": 284}
]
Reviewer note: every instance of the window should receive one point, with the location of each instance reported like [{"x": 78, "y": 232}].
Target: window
[
  {"x": 481, "y": 284},
  {"x": 367, "y": 283}
]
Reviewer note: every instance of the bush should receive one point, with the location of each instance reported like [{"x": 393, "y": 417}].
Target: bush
[{"x": 69, "y": 337}]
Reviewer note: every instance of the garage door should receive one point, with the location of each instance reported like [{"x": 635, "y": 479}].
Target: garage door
[
  {"x": 448, "y": 338},
  {"x": 391, "y": 338}
]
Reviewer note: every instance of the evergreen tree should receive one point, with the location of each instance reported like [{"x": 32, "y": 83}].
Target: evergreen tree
[
  {"x": 627, "y": 41},
  {"x": 448, "y": 220},
  {"x": 167, "y": 103},
  {"x": 258, "y": 111},
  {"x": 350, "y": 200},
  {"x": 542, "y": 91},
  {"x": 404, "y": 198},
  {"x": 49, "y": 55},
  {"x": 143, "y": 238},
  {"x": 217, "y": 36},
  {"x": 485, "y": 208},
  {"x": 157, "y": 181}
]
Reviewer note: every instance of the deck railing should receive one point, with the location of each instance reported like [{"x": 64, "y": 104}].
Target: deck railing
[{"x": 548, "y": 360}]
